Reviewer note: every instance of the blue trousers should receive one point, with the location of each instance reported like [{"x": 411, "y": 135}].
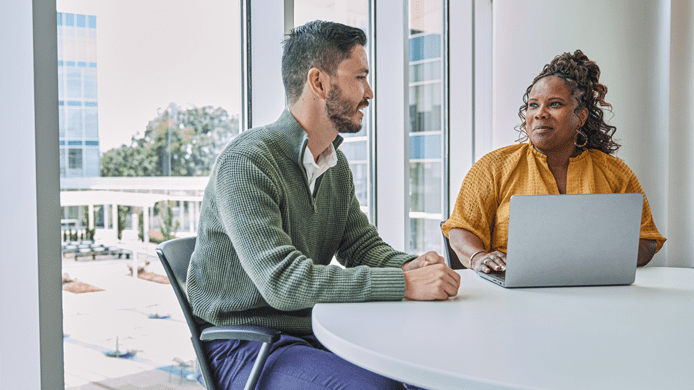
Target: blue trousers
[{"x": 295, "y": 362}]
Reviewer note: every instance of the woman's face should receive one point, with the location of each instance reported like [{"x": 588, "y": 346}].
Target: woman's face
[{"x": 550, "y": 119}]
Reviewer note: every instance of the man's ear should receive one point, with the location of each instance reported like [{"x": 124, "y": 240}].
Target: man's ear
[{"x": 318, "y": 82}]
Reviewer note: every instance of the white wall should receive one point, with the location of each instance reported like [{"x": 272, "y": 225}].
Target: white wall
[
  {"x": 630, "y": 41},
  {"x": 681, "y": 159},
  {"x": 31, "y": 353}
]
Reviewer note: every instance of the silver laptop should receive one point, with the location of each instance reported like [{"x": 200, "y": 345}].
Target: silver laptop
[{"x": 571, "y": 240}]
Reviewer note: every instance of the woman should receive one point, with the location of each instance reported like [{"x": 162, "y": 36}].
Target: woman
[{"x": 570, "y": 151}]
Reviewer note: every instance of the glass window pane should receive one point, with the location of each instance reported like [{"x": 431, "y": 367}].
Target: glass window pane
[
  {"x": 74, "y": 83},
  {"x": 163, "y": 92},
  {"x": 426, "y": 124},
  {"x": 426, "y": 184},
  {"x": 426, "y": 107},
  {"x": 61, "y": 86},
  {"x": 91, "y": 160},
  {"x": 425, "y": 233},
  {"x": 61, "y": 122},
  {"x": 355, "y": 151},
  {"x": 356, "y": 14},
  {"x": 425, "y": 146},
  {"x": 75, "y": 158},
  {"x": 91, "y": 125},
  {"x": 429, "y": 70},
  {"x": 74, "y": 123},
  {"x": 62, "y": 162},
  {"x": 90, "y": 84}
]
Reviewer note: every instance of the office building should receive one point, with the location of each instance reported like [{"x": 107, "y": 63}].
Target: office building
[{"x": 77, "y": 94}]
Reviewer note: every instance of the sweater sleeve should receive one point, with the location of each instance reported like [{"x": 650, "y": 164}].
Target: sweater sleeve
[
  {"x": 249, "y": 204},
  {"x": 362, "y": 245}
]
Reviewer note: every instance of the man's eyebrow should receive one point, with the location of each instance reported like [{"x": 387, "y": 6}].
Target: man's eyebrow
[{"x": 363, "y": 70}]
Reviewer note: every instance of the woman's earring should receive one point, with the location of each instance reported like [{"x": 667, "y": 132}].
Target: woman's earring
[{"x": 585, "y": 138}]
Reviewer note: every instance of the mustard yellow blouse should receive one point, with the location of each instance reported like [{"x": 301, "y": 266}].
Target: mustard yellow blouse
[{"x": 483, "y": 205}]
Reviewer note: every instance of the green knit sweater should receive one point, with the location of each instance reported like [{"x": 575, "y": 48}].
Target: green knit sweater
[{"x": 265, "y": 242}]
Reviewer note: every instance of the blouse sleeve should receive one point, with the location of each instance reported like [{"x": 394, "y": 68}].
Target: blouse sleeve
[
  {"x": 475, "y": 207},
  {"x": 648, "y": 229}
]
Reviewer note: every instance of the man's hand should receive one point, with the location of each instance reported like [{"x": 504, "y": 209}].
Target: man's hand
[
  {"x": 435, "y": 282},
  {"x": 429, "y": 258}
]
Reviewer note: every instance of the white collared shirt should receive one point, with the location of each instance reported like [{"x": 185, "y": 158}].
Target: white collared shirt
[{"x": 326, "y": 160}]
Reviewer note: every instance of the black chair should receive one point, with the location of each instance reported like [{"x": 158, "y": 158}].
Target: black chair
[
  {"x": 451, "y": 256},
  {"x": 175, "y": 256}
]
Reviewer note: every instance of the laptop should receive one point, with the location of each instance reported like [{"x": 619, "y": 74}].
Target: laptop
[{"x": 571, "y": 240}]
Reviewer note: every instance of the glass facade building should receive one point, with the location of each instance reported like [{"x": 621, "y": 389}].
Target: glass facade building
[
  {"x": 426, "y": 125},
  {"x": 77, "y": 94}
]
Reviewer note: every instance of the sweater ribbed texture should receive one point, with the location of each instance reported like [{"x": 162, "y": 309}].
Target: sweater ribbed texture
[{"x": 265, "y": 242}]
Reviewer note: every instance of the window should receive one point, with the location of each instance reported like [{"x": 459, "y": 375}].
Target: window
[
  {"x": 167, "y": 76},
  {"x": 426, "y": 96},
  {"x": 91, "y": 124},
  {"x": 74, "y": 82},
  {"x": 75, "y": 158},
  {"x": 74, "y": 122},
  {"x": 355, "y": 146}
]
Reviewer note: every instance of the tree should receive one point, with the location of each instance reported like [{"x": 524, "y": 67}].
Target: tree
[
  {"x": 123, "y": 212},
  {"x": 168, "y": 227},
  {"x": 175, "y": 143}
]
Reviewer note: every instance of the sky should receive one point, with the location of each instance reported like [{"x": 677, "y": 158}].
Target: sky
[{"x": 154, "y": 52}]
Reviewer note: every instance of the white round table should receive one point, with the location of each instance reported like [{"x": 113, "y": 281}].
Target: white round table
[{"x": 619, "y": 337}]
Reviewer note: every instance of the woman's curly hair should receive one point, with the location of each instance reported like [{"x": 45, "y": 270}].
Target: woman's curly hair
[{"x": 581, "y": 76}]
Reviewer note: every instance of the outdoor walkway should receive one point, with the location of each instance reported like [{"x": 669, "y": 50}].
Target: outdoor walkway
[{"x": 94, "y": 322}]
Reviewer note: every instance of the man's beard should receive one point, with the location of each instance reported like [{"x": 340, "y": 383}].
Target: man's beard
[{"x": 340, "y": 111}]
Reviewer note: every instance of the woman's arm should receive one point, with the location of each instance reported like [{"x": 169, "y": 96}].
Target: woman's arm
[
  {"x": 646, "y": 251},
  {"x": 466, "y": 244}
]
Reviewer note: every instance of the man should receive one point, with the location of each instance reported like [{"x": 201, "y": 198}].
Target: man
[{"x": 279, "y": 205}]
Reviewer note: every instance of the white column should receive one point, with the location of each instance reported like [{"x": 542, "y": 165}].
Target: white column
[
  {"x": 145, "y": 224},
  {"x": 483, "y": 91},
  {"x": 460, "y": 157},
  {"x": 391, "y": 110},
  {"x": 198, "y": 206},
  {"x": 145, "y": 239},
  {"x": 106, "y": 225},
  {"x": 181, "y": 214},
  {"x": 90, "y": 216},
  {"x": 31, "y": 346},
  {"x": 114, "y": 218},
  {"x": 191, "y": 215},
  {"x": 680, "y": 235}
]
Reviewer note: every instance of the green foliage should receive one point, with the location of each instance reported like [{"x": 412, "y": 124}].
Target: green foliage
[
  {"x": 175, "y": 143},
  {"x": 140, "y": 225},
  {"x": 168, "y": 227},
  {"x": 123, "y": 212}
]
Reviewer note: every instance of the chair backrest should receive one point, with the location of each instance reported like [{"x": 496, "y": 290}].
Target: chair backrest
[
  {"x": 175, "y": 257},
  {"x": 451, "y": 256}
]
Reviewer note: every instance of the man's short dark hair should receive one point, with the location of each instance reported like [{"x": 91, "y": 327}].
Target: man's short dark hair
[{"x": 318, "y": 44}]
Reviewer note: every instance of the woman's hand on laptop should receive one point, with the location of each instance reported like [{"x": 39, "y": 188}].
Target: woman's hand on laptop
[{"x": 487, "y": 262}]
